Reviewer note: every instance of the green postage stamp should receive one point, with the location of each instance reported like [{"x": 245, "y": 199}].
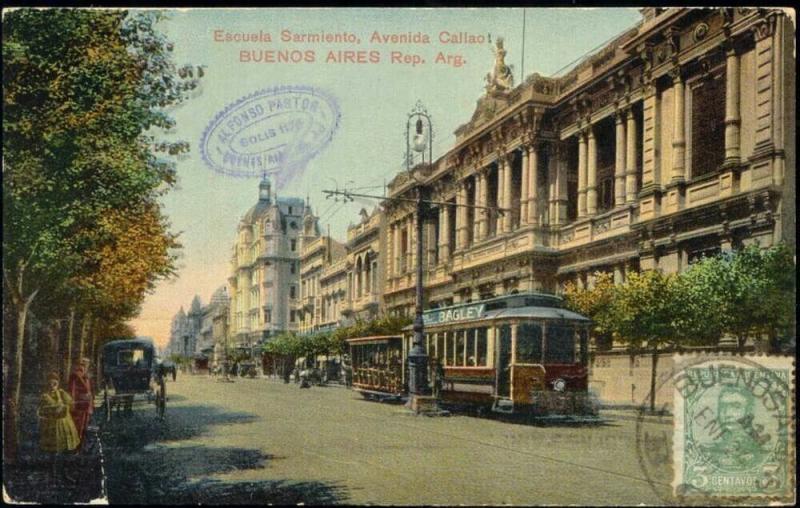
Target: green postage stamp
[{"x": 734, "y": 428}]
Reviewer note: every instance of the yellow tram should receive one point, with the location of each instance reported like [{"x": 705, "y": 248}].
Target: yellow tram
[{"x": 514, "y": 353}]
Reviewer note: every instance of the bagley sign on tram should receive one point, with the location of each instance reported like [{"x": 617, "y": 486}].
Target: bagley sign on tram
[{"x": 435, "y": 317}]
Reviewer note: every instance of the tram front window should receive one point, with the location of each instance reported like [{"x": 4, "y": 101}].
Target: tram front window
[
  {"x": 529, "y": 343},
  {"x": 560, "y": 344}
]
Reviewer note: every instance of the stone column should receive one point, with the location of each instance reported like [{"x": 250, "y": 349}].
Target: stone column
[
  {"x": 630, "y": 158},
  {"x": 581, "y": 175},
  {"x": 461, "y": 217},
  {"x": 591, "y": 173},
  {"x": 552, "y": 186},
  {"x": 525, "y": 189},
  {"x": 444, "y": 227},
  {"x": 476, "y": 214},
  {"x": 533, "y": 185},
  {"x": 559, "y": 153},
  {"x": 732, "y": 119},
  {"x": 619, "y": 160},
  {"x": 507, "y": 193},
  {"x": 650, "y": 143},
  {"x": 678, "y": 130},
  {"x": 430, "y": 243},
  {"x": 501, "y": 167},
  {"x": 397, "y": 249},
  {"x": 484, "y": 214}
]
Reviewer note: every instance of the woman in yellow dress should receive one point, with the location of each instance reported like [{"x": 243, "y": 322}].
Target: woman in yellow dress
[{"x": 56, "y": 428}]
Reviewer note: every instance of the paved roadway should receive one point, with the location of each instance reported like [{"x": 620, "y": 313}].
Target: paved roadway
[{"x": 260, "y": 441}]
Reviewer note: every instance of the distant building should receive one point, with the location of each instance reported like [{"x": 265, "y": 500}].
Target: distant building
[
  {"x": 265, "y": 268},
  {"x": 312, "y": 310},
  {"x": 366, "y": 241},
  {"x": 179, "y": 330}
]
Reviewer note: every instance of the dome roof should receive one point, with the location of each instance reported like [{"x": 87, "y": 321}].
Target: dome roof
[
  {"x": 220, "y": 296},
  {"x": 256, "y": 211}
]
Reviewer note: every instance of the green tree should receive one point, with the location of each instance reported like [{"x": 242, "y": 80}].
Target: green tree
[
  {"x": 760, "y": 294},
  {"x": 641, "y": 314},
  {"x": 85, "y": 93},
  {"x": 594, "y": 303}
]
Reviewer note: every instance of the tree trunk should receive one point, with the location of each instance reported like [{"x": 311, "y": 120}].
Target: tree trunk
[
  {"x": 653, "y": 379},
  {"x": 70, "y": 335},
  {"x": 740, "y": 342},
  {"x": 85, "y": 327}
]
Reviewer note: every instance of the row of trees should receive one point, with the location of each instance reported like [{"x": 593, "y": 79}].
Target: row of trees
[
  {"x": 746, "y": 294},
  {"x": 86, "y": 95},
  {"x": 334, "y": 342}
]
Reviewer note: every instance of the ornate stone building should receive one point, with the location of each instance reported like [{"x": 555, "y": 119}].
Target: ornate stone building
[
  {"x": 365, "y": 268},
  {"x": 318, "y": 252},
  {"x": 264, "y": 268},
  {"x": 340, "y": 282},
  {"x": 673, "y": 141}
]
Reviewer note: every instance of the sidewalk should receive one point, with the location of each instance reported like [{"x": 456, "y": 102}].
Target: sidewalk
[
  {"x": 30, "y": 479},
  {"x": 634, "y": 415}
]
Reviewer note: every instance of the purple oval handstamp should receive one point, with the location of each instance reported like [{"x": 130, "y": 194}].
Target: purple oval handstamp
[{"x": 275, "y": 130}]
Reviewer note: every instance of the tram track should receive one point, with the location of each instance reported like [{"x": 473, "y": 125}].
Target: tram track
[{"x": 519, "y": 452}]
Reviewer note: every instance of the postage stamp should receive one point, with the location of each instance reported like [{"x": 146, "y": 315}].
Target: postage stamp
[
  {"x": 272, "y": 131},
  {"x": 733, "y": 431}
]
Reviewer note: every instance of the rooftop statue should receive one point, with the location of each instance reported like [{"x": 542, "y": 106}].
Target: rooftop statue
[{"x": 500, "y": 78}]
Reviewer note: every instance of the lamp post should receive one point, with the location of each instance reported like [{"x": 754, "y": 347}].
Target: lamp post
[{"x": 418, "y": 356}]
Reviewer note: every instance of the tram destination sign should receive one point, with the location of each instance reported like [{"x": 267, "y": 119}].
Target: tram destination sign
[{"x": 442, "y": 316}]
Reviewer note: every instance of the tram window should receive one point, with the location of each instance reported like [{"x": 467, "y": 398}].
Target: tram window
[
  {"x": 480, "y": 341},
  {"x": 529, "y": 343},
  {"x": 458, "y": 359},
  {"x": 560, "y": 344},
  {"x": 471, "y": 346}
]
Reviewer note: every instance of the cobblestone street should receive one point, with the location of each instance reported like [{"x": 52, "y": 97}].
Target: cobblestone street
[{"x": 260, "y": 441}]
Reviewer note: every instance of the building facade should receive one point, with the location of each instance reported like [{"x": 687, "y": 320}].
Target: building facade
[
  {"x": 265, "y": 268},
  {"x": 318, "y": 252},
  {"x": 366, "y": 240},
  {"x": 674, "y": 141}
]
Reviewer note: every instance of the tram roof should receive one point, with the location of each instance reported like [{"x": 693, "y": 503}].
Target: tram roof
[{"x": 533, "y": 312}]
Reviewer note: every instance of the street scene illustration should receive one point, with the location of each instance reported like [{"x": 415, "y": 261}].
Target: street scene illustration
[{"x": 399, "y": 256}]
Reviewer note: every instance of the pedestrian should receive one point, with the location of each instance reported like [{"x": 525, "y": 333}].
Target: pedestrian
[
  {"x": 438, "y": 377},
  {"x": 174, "y": 372},
  {"x": 57, "y": 432},
  {"x": 80, "y": 389}
]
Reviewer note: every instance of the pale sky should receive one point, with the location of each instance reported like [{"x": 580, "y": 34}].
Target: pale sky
[{"x": 374, "y": 100}]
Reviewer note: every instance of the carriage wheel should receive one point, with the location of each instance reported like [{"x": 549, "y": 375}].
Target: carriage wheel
[{"x": 107, "y": 402}]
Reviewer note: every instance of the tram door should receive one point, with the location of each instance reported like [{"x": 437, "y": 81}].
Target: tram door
[{"x": 504, "y": 361}]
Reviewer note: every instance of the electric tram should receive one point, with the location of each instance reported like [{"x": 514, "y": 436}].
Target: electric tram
[{"x": 521, "y": 353}]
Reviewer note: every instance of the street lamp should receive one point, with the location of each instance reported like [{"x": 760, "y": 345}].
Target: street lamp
[{"x": 418, "y": 388}]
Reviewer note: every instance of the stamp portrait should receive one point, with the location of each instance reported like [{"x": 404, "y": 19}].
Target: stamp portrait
[{"x": 733, "y": 434}]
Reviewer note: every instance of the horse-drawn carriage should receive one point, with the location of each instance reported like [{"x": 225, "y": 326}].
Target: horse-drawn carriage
[{"x": 132, "y": 372}]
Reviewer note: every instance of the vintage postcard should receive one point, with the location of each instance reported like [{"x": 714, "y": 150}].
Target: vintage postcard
[{"x": 399, "y": 256}]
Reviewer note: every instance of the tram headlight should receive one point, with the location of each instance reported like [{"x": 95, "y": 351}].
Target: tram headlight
[{"x": 559, "y": 385}]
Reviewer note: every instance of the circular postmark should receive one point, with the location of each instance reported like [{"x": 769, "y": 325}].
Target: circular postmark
[
  {"x": 731, "y": 437},
  {"x": 271, "y": 131}
]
